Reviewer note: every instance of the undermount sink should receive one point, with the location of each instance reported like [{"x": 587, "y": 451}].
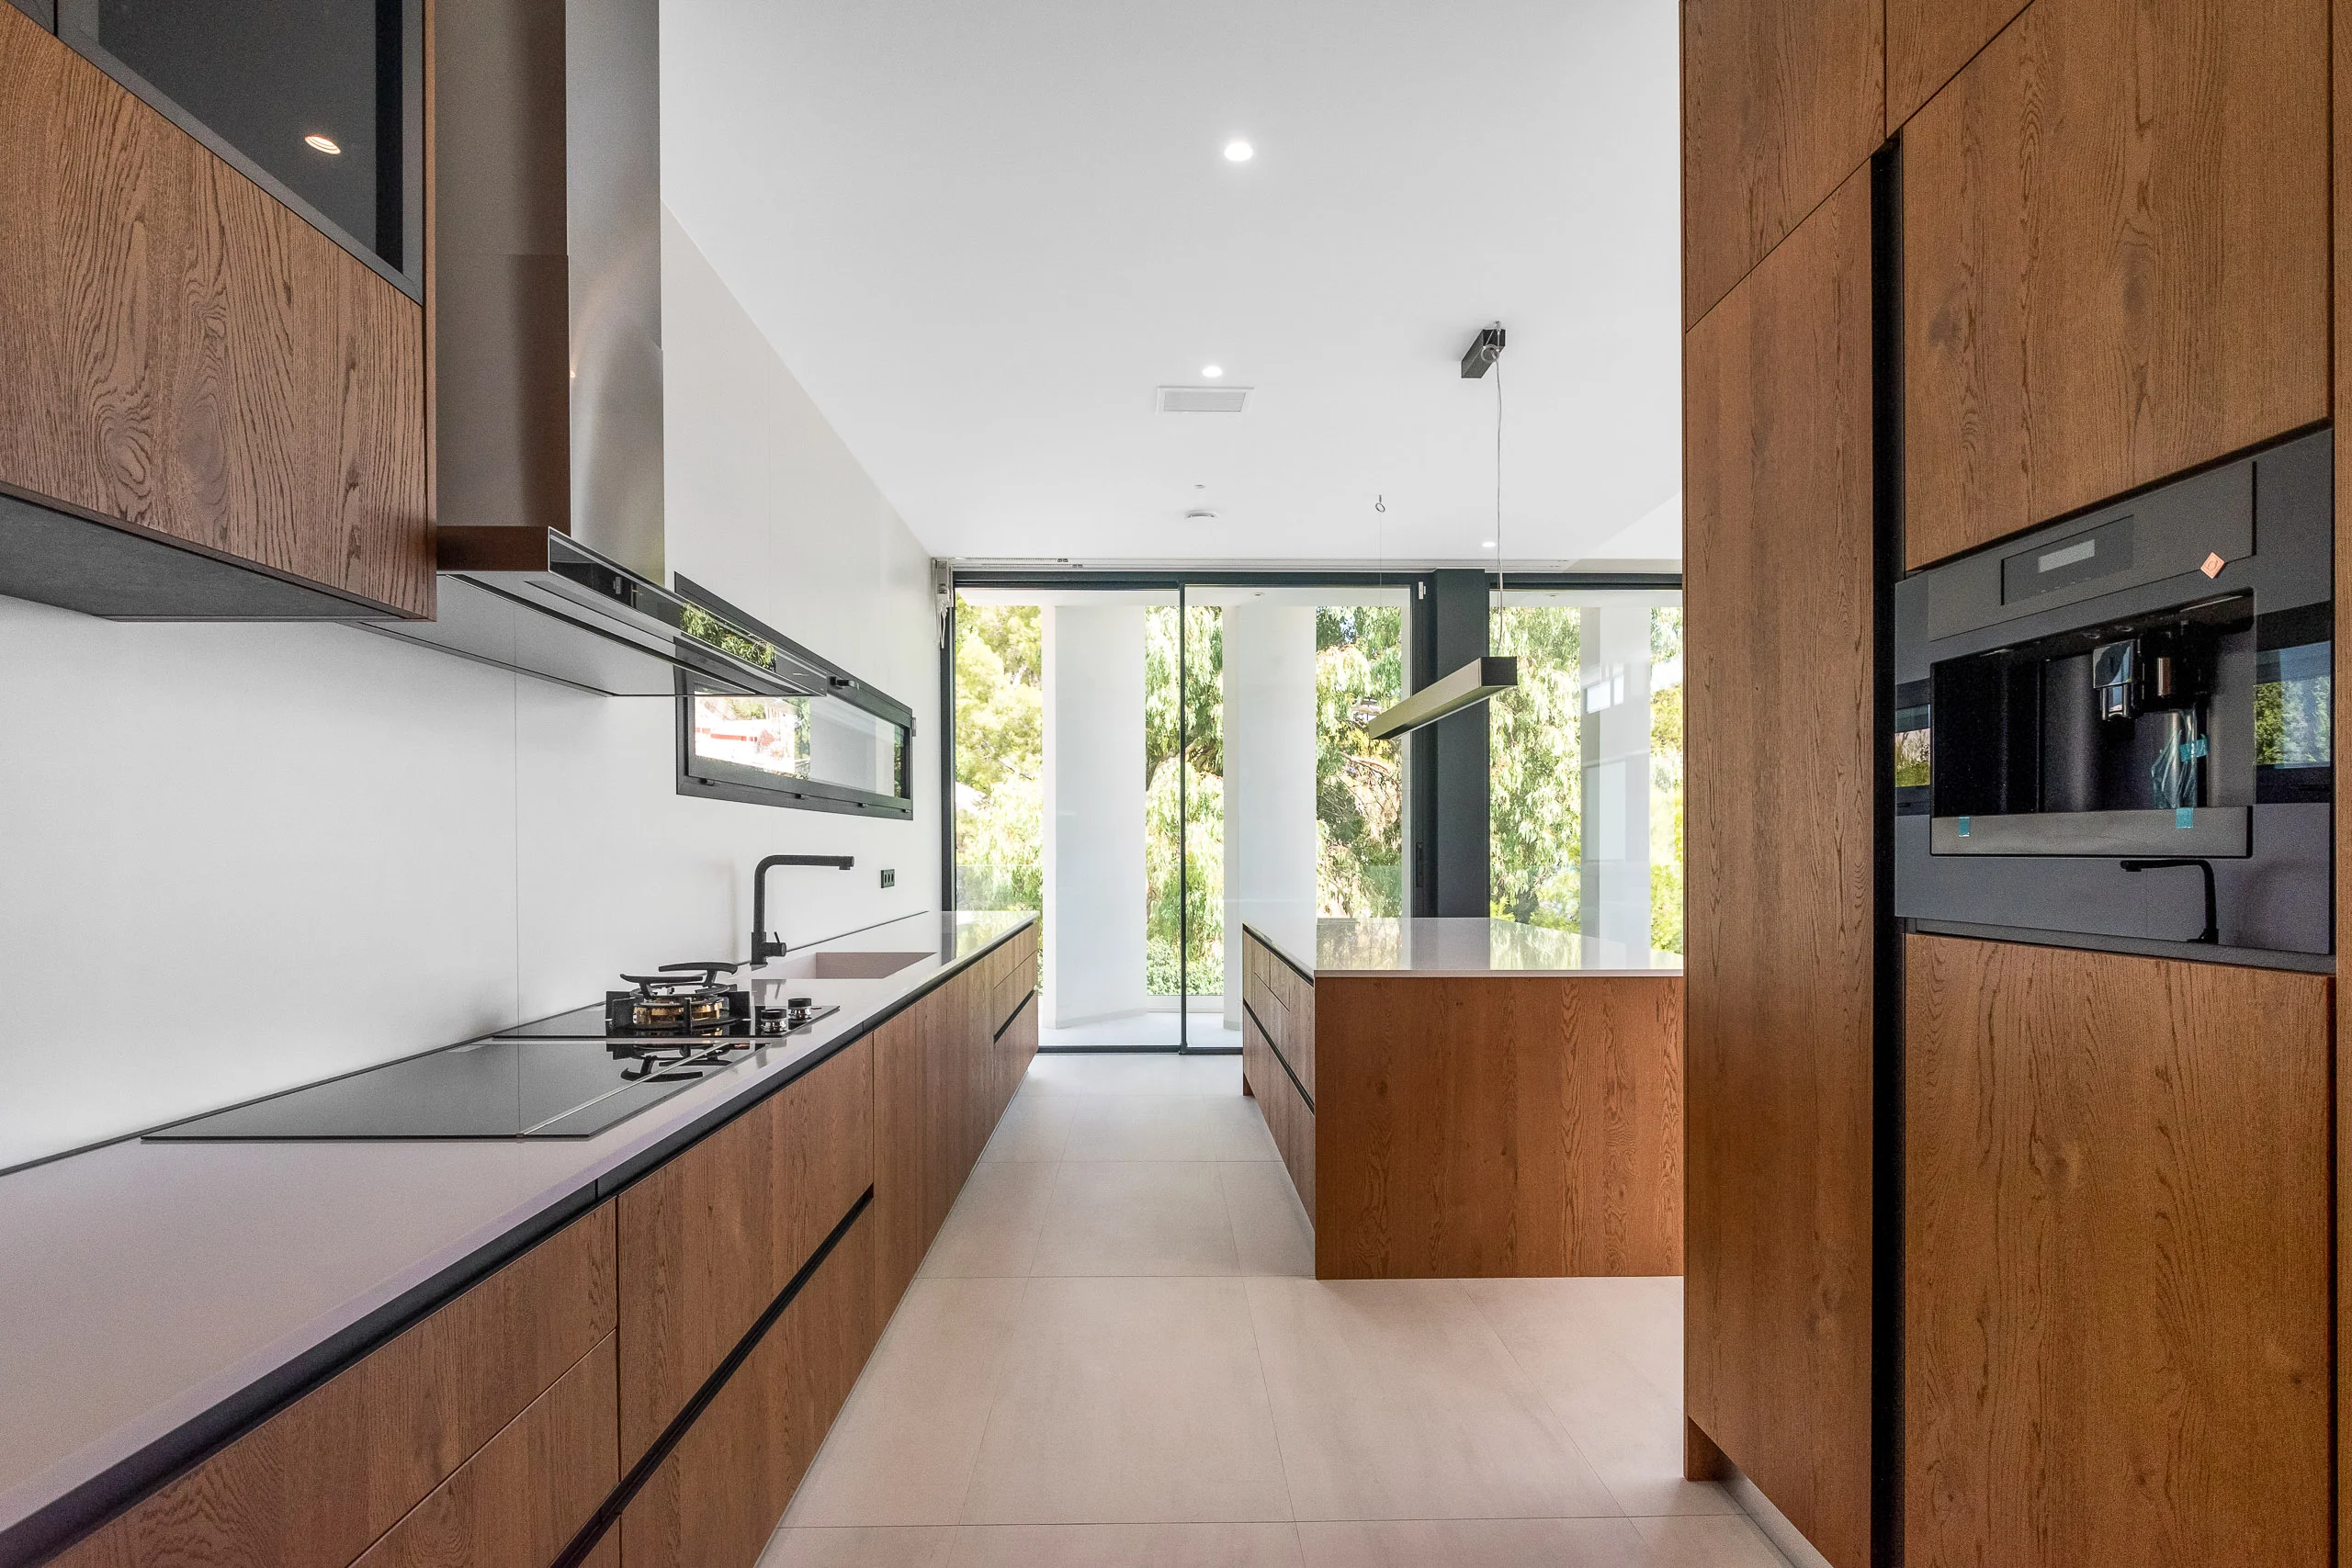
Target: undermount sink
[{"x": 840, "y": 965}]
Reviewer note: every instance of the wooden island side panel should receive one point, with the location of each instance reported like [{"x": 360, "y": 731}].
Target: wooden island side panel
[{"x": 1498, "y": 1127}]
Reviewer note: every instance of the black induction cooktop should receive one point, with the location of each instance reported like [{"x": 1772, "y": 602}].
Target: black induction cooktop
[{"x": 492, "y": 1089}]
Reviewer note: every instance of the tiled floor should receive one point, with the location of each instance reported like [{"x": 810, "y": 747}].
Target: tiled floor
[{"x": 1116, "y": 1353}]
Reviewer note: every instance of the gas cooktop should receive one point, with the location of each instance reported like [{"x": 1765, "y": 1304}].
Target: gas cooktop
[{"x": 571, "y": 1076}]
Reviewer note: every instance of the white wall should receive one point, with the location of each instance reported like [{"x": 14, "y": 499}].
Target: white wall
[
  {"x": 1271, "y": 842},
  {"x": 236, "y": 858},
  {"x": 1094, "y": 804}
]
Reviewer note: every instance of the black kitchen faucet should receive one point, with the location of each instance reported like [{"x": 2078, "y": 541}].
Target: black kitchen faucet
[{"x": 764, "y": 946}]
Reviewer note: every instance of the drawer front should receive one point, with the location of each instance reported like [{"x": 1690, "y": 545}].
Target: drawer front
[
  {"x": 714, "y": 1501},
  {"x": 518, "y": 1503},
  {"x": 708, "y": 1241},
  {"x": 317, "y": 1483}
]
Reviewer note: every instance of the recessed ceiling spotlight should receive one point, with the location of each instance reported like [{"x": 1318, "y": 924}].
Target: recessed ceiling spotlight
[
  {"x": 1488, "y": 544},
  {"x": 326, "y": 144},
  {"x": 1212, "y": 371},
  {"x": 1200, "y": 514},
  {"x": 1239, "y": 152}
]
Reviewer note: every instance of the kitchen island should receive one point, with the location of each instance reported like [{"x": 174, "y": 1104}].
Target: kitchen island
[{"x": 1458, "y": 1098}]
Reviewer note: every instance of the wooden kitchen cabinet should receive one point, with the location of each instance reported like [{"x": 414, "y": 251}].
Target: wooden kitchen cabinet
[
  {"x": 1780, "y": 583},
  {"x": 1928, "y": 41},
  {"x": 526, "y": 1494},
  {"x": 190, "y": 362},
  {"x": 2118, "y": 1320},
  {"x": 1278, "y": 1058},
  {"x": 321, "y": 1481},
  {"x": 715, "y": 1500},
  {"x": 1782, "y": 101},
  {"x": 2115, "y": 243},
  {"x": 944, "y": 1071},
  {"x": 709, "y": 1240}
]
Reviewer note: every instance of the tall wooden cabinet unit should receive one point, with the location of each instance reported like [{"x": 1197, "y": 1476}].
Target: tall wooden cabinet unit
[
  {"x": 2116, "y": 1260},
  {"x": 2115, "y": 257},
  {"x": 1782, "y": 99},
  {"x": 1779, "y": 589},
  {"x": 1928, "y": 41},
  {"x": 193, "y": 375}
]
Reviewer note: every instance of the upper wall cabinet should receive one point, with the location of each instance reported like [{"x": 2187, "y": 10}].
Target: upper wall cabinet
[
  {"x": 211, "y": 408},
  {"x": 2115, "y": 257},
  {"x": 1928, "y": 41},
  {"x": 1782, "y": 99}
]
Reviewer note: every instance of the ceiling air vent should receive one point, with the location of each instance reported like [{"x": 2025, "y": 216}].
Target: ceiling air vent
[{"x": 1204, "y": 400}]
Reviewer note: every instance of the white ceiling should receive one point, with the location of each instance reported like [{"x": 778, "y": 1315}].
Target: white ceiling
[{"x": 981, "y": 234}]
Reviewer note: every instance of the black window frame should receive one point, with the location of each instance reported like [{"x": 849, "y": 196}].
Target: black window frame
[{"x": 709, "y": 779}]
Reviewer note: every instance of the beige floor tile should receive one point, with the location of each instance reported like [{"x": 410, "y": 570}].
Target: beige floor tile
[
  {"x": 1475, "y": 1543},
  {"x": 859, "y": 1548},
  {"x": 1640, "y": 1319},
  {"x": 902, "y": 1450},
  {"x": 1035, "y": 1127},
  {"x": 1130, "y": 1401},
  {"x": 1713, "y": 1542},
  {"x": 1133, "y": 1073},
  {"x": 1237, "y": 1130},
  {"x": 1141, "y": 1126},
  {"x": 1627, "y": 1429},
  {"x": 1269, "y": 1227},
  {"x": 1137, "y": 1217},
  {"x": 1127, "y": 1546},
  {"x": 1394, "y": 1401},
  {"x": 992, "y": 1229}
]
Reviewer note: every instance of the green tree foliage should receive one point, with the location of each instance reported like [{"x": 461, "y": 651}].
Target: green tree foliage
[
  {"x": 1535, "y": 746},
  {"x": 1665, "y": 780},
  {"x": 1201, "y": 767},
  {"x": 1358, "y": 782},
  {"x": 1000, "y": 757}
]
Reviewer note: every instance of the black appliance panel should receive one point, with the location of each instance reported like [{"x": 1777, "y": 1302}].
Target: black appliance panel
[{"x": 2170, "y": 700}]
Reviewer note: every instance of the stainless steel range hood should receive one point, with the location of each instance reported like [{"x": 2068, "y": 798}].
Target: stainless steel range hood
[{"x": 546, "y": 293}]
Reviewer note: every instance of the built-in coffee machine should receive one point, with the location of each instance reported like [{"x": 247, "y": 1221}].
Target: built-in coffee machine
[{"x": 2118, "y": 728}]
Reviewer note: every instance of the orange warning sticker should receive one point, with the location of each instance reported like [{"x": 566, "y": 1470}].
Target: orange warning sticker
[{"x": 2213, "y": 565}]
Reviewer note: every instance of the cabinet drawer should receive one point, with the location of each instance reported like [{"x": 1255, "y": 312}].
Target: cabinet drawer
[
  {"x": 714, "y": 1501},
  {"x": 520, "y": 1501},
  {"x": 709, "y": 1240},
  {"x": 317, "y": 1483}
]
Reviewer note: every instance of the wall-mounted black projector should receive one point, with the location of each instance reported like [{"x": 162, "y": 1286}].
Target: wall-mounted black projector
[{"x": 1485, "y": 349}]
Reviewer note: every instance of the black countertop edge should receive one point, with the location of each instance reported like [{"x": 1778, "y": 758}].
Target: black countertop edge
[
  {"x": 60, "y": 1523},
  {"x": 1270, "y": 945}
]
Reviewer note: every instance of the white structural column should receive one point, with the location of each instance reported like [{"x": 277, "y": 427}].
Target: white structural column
[
  {"x": 1094, "y": 806},
  {"x": 1270, "y": 836},
  {"x": 1614, "y": 676}
]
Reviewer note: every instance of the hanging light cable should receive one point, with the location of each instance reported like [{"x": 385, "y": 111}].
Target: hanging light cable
[{"x": 1482, "y": 677}]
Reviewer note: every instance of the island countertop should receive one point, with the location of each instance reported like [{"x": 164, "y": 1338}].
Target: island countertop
[{"x": 1464, "y": 949}]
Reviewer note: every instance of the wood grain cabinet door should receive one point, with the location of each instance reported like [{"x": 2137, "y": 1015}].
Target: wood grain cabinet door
[
  {"x": 1781, "y": 998},
  {"x": 714, "y": 1501},
  {"x": 315, "y": 1485},
  {"x": 2117, "y": 1314},
  {"x": 1782, "y": 100},
  {"x": 185, "y": 356},
  {"x": 518, "y": 1503},
  {"x": 899, "y": 1217},
  {"x": 709, "y": 1240},
  {"x": 2115, "y": 241}
]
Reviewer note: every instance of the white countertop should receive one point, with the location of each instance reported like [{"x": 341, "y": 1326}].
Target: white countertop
[
  {"x": 147, "y": 1286},
  {"x": 1467, "y": 948}
]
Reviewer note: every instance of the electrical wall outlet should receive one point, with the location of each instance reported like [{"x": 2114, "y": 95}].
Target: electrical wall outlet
[{"x": 890, "y": 878}]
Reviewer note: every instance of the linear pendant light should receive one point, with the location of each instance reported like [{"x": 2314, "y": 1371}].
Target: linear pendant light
[
  {"x": 1485, "y": 675},
  {"x": 1471, "y": 685}
]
